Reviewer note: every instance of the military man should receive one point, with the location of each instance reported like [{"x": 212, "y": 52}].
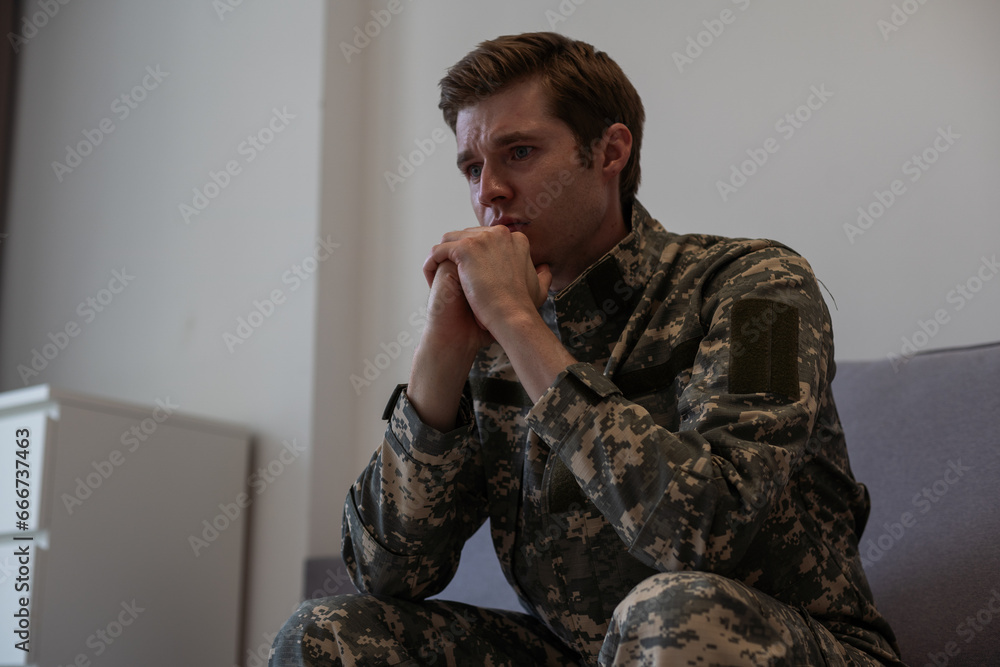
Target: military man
[{"x": 644, "y": 417}]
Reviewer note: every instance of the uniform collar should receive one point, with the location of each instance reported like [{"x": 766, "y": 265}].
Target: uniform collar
[{"x": 605, "y": 294}]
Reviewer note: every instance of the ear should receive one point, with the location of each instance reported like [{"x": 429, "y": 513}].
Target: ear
[{"x": 617, "y": 142}]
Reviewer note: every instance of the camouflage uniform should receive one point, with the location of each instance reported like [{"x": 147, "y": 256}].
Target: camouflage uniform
[{"x": 680, "y": 494}]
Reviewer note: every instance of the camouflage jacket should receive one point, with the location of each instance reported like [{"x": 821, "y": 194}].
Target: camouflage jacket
[{"x": 696, "y": 432}]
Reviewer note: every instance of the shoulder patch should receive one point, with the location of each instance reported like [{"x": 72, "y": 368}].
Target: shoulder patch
[{"x": 764, "y": 351}]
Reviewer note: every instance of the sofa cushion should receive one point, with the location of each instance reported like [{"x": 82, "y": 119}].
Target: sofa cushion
[{"x": 923, "y": 436}]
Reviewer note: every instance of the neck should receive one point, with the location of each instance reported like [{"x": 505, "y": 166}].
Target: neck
[{"x": 610, "y": 234}]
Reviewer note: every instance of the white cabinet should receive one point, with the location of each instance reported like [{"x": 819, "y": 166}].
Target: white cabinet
[{"x": 132, "y": 550}]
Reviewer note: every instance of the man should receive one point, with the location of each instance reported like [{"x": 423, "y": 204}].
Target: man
[{"x": 644, "y": 417}]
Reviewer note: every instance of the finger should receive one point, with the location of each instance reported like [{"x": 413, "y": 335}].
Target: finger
[
  {"x": 458, "y": 234},
  {"x": 446, "y": 282},
  {"x": 544, "y": 280},
  {"x": 460, "y": 249},
  {"x": 430, "y": 269},
  {"x": 483, "y": 238},
  {"x": 433, "y": 264},
  {"x": 442, "y": 252}
]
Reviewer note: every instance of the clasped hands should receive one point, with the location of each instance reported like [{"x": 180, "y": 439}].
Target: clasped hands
[
  {"x": 484, "y": 288},
  {"x": 483, "y": 283}
]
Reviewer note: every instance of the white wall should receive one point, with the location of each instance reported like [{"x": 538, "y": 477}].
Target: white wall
[
  {"x": 162, "y": 335},
  {"x": 891, "y": 92}
]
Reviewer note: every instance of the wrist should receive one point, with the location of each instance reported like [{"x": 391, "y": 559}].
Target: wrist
[
  {"x": 437, "y": 379},
  {"x": 535, "y": 352},
  {"x": 518, "y": 326},
  {"x": 445, "y": 349}
]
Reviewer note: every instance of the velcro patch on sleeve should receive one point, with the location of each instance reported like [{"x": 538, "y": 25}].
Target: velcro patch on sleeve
[{"x": 764, "y": 350}]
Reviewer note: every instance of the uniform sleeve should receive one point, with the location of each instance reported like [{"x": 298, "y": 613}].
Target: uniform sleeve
[
  {"x": 414, "y": 506},
  {"x": 694, "y": 498}
]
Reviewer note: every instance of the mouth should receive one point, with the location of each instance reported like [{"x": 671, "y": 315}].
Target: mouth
[{"x": 511, "y": 223}]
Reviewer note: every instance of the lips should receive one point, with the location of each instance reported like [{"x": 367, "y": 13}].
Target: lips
[{"x": 511, "y": 223}]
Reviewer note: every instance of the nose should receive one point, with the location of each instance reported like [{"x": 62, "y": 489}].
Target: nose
[{"x": 493, "y": 186}]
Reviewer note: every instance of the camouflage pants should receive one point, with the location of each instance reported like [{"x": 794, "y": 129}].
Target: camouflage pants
[{"x": 678, "y": 618}]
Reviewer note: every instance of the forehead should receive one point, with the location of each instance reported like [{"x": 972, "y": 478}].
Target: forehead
[{"x": 519, "y": 108}]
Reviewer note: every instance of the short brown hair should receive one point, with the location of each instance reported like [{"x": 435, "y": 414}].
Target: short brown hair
[{"x": 587, "y": 90}]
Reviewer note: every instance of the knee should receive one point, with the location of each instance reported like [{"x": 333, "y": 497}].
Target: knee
[
  {"x": 309, "y": 636},
  {"x": 674, "y": 617},
  {"x": 679, "y": 616},
  {"x": 677, "y": 595},
  {"x": 676, "y": 600}
]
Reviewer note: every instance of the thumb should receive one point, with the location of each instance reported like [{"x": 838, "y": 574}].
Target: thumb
[{"x": 544, "y": 282}]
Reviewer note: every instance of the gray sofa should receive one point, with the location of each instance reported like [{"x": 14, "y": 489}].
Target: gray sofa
[{"x": 925, "y": 438}]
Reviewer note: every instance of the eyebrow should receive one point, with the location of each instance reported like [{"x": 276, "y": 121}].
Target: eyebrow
[{"x": 500, "y": 142}]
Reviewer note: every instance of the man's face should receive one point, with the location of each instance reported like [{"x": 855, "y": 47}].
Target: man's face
[{"x": 524, "y": 171}]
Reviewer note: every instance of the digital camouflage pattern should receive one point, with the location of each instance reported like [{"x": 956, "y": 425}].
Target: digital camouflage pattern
[
  {"x": 374, "y": 631},
  {"x": 696, "y": 434}
]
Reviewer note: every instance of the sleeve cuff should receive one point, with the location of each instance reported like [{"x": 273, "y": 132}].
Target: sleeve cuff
[{"x": 424, "y": 443}]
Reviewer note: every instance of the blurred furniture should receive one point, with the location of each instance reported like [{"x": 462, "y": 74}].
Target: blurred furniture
[{"x": 132, "y": 548}]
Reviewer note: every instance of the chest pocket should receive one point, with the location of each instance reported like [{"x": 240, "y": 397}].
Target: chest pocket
[{"x": 562, "y": 493}]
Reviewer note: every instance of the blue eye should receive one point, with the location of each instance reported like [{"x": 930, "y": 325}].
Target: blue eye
[
  {"x": 474, "y": 171},
  {"x": 521, "y": 152}
]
